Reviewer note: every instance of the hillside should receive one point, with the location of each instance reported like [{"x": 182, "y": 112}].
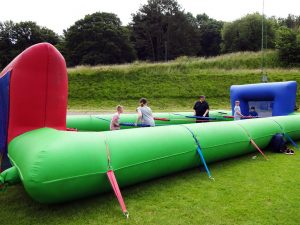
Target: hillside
[{"x": 170, "y": 86}]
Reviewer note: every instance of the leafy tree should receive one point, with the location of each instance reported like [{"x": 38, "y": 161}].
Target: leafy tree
[
  {"x": 16, "y": 37},
  {"x": 183, "y": 38},
  {"x": 288, "y": 45},
  {"x": 292, "y": 22},
  {"x": 6, "y": 44},
  {"x": 245, "y": 34},
  {"x": 161, "y": 30},
  {"x": 29, "y": 33},
  {"x": 209, "y": 35},
  {"x": 99, "y": 38}
]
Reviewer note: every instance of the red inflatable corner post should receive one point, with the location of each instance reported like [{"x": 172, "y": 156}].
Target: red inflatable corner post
[{"x": 38, "y": 90}]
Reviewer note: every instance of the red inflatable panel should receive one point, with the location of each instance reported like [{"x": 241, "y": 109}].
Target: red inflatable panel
[{"x": 38, "y": 90}]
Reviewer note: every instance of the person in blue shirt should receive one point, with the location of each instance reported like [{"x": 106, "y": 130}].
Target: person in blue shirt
[{"x": 253, "y": 112}]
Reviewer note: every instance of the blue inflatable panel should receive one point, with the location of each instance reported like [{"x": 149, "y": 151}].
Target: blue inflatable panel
[
  {"x": 4, "y": 111},
  {"x": 278, "y": 97}
]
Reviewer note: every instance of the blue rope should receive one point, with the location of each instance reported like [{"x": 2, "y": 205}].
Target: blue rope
[
  {"x": 286, "y": 135},
  {"x": 203, "y": 160},
  {"x": 197, "y": 117},
  {"x": 125, "y": 124},
  {"x": 200, "y": 152},
  {"x": 102, "y": 119},
  {"x": 132, "y": 125},
  {"x": 291, "y": 140}
]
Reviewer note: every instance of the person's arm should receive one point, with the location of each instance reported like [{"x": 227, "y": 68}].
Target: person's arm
[
  {"x": 151, "y": 113},
  {"x": 207, "y": 110},
  {"x": 139, "y": 117},
  {"x": 115, "y": 121},
  {"x": 239, "y": 113},
  {"x": 195, "y": 106}
]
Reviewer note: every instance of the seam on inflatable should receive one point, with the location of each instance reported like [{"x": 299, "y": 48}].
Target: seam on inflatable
[
  {"x": 292, "y": 131},
  {"x": 219, "y": 144},
  {"x": 148, "y": 161},
  {"x": 229, "y": 143},
  {"x": 46, "y": 86},
  {"x": 284, "y": 130},
  {"x": 35, "y": 166},
  {"x": 278, "y": 124},
  {"x": 250, "y": 137},
  {"x": 258, "y": 138},
  {"x": 156, "y": 159},
  {"x": 73, "y": 177}
]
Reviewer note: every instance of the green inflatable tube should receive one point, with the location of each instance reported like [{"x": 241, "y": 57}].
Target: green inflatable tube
[
  {"x": 102, "y": 122},
  {"x": 58, "y": 166}
]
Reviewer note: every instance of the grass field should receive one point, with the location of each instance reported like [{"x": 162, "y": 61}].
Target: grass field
[
  {"x": 246, "y": 191},
  {"x": 171, "y": 86}
]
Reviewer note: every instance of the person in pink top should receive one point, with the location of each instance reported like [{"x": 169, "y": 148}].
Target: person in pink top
[{"x": 114, "y": 123}]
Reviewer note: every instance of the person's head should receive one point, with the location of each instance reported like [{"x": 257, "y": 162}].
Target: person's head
[
  {"x": 202, "y": 98},
  {"x": 237, "y": 102},
  {"x": 120, "y": 109},
  {"x": 143, "y": 101},
  {"x": 252, "y": 108}
]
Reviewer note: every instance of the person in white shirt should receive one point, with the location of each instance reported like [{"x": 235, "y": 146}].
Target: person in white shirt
[
  {"x": 237, "y": 111},
  {"x": 145, "y": 114}
]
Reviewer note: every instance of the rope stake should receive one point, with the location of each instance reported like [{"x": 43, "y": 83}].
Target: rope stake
[
  {"x": 114, "y": 184},
  {"x": 204, "y": 163},
  {"x": 258, "y": 149},
  {"x": 253, "y": 142}
]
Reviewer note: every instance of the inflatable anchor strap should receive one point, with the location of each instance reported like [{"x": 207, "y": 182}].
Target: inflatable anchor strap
[
  {"x": 286, "y": 135},
  {"x": 113, "y": 181},
  {"x": 200, "y": 153},
  {"x": 114, "y": 184},
  {"x": 253, "y": 142},
  {"x": 291, "y": 140}
]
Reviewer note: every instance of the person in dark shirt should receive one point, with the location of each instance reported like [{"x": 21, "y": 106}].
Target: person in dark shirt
[
  {"x": 253, "y": 112},
  {"x": 201, "y": 107}
]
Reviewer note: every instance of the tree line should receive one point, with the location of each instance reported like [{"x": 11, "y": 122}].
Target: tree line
[{"x": 160, "y": 30}]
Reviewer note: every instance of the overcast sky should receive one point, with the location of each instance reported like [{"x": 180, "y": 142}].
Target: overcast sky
[{"x": 61, "y": 14}]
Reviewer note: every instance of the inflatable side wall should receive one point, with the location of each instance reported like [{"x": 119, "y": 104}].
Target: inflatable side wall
[
  {"x": 34, "y": 89},
  {"x": 102, "y": 122},
  {"x": 58, "y": 166}
]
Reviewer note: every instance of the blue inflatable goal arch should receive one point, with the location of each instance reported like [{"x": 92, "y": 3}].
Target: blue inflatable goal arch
[{"x": 269, "y": 99}]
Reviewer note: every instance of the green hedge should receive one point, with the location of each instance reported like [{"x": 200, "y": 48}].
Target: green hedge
[{"x": 168, "y": 86}]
